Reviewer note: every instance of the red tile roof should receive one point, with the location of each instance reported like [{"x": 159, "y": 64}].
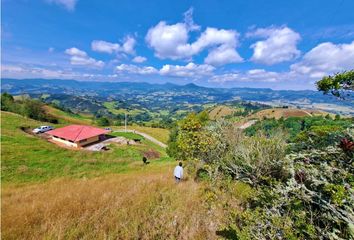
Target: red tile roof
[{"x": 77, "y": 132}]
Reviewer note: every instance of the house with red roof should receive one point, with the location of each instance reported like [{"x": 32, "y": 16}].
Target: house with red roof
[{"x": 78, "y": 135}]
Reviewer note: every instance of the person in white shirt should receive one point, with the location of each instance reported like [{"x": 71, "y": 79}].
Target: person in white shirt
[{"x": 178, "y": 172}]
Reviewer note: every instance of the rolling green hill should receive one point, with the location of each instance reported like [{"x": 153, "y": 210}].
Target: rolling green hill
[
  {"x": 49, "y": 192},
  {"x": 27, "y": 158}
]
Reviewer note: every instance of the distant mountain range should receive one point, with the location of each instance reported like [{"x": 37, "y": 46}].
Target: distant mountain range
[{"x": 169, "y": 93}]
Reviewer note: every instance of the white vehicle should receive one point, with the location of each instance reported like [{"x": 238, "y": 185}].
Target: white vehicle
[{"x": 42, "y": 129}]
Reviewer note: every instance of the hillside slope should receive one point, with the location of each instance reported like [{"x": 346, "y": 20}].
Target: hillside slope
[
  {"x": 286, "y": 112},
  {"x": 27, "y": 158},
  {"x": 54, "y": 193}
]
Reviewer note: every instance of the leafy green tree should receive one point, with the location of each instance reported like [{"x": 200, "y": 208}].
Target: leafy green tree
[
  {"x": 34, "y": 109},
  {"x": 339, "y": 85},
  {"x": 192, "y": 140},
  {"x": 103, "y": 121},
  {"x": 7, "y": 101}
]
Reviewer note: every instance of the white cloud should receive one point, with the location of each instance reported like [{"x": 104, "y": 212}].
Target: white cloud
[
  {"x": 128, "y": 45},
  {"x": 108, "y": 47},
  {"x": 75, "y": 52},
  {"x": 171, "y": 41},
  {"x": 68, "y": 4},
  {"x": 168, "y": 40},
  {"x": 189, "y": 70},
  {"x": 79, "y": 57},
  {"x": 223, "y": 55},
  {"x": 133, "y": 69},
  {"x": 188, "y": 19},
  {"x": 51, "y": 49},
  {"x": 279, "y": 45},
  {"x": 326, "y": 58},
  {"x": 103, "y": 46},
  {"x": 139, "y": 59},
  {"x": 253, "y": 75},
  {"x": 13, "y": 71}
]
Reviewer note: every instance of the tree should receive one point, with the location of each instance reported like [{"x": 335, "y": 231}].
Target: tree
[
  {"x": 34, "y": 109},
  {"x": 7, "y": 101},
  {"x": 192, "y": 140},
  {"x": 339, "y": 85},
  {"x": 103, "y": 121}
]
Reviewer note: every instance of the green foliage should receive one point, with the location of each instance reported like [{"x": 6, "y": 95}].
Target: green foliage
[
  {"x": 7, "y": 101},
  {"x": 298, "y": 125},
  {"x": 30, "y": 108},
  {"x": 172, "y": 147},
  {"x": 26, "y": 159},
  {"x": 303, "y": 192},
  {"x": 339, "y": 85},
  {"x": 103, "y": 121},
  {"x": 254, "y": 160},
  {"x": 192, "y": 141},
  {"x": 318, "y": 137},
  {"x": 188, "y": 139},
  {"x": 128, "y": 135}
]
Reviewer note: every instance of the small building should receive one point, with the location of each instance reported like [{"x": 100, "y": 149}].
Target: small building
[{"x": 78, "y": 135}]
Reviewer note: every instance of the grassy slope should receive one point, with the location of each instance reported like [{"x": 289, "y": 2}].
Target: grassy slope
[
  {"x": 65, "y": 117},
  {"x": 286, "y": 112},
  {"x": 160, "y": 134},
  {"x": 54, "y": 193},
  {"x": 26, "y": 158},
  {"x": 129, "y": 206},
  {"x": 220, "y": 112}
]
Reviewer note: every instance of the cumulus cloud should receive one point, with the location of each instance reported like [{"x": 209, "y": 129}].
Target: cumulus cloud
[
  {"x": 223, "y": 55},
  {"x": 253, "y": 75},
  {"x": 107, "y": 47},
  {"x": 13, "y": 71},
  {"x": 171, "y": 41},
  {"x": 326, "y": 58},
  {"x": 133, "y": 69},
  {"x": 279, "y": 45},
  {"x": 79, "y": 57},
  {"x": 168, "y": 41},
  {"x": 139, "y": 59},
  {"x": 68, "y": 4},
  {"x": 103, "y": 46},
  {"x": 189, "y": 70}
]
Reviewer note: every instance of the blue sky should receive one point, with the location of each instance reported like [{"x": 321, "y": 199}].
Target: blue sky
[{"x": 277, "y": 44}]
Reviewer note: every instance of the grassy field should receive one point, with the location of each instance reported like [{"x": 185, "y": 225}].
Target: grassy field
[
  {"x": 160, "y": 134},
  {"x": 111, "y": 106},
  {"x": 220, "y": 111},
  {"x": 53, "y": 193},
  {"x": 128, "y": 135},
  {"x": 65, "y": 117},
  {"x": 27, "y": 158},
  {"x": 286, "y": 112},
  {"x": 140, "y": 205}
]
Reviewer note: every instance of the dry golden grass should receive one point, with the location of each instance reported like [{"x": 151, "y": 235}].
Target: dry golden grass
[
  {"x": 125, "y": 206},
  {"x": 286, "y": 112},
  {"x": 220, "y": 111},
  {"x": 160, "y": 134}
]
